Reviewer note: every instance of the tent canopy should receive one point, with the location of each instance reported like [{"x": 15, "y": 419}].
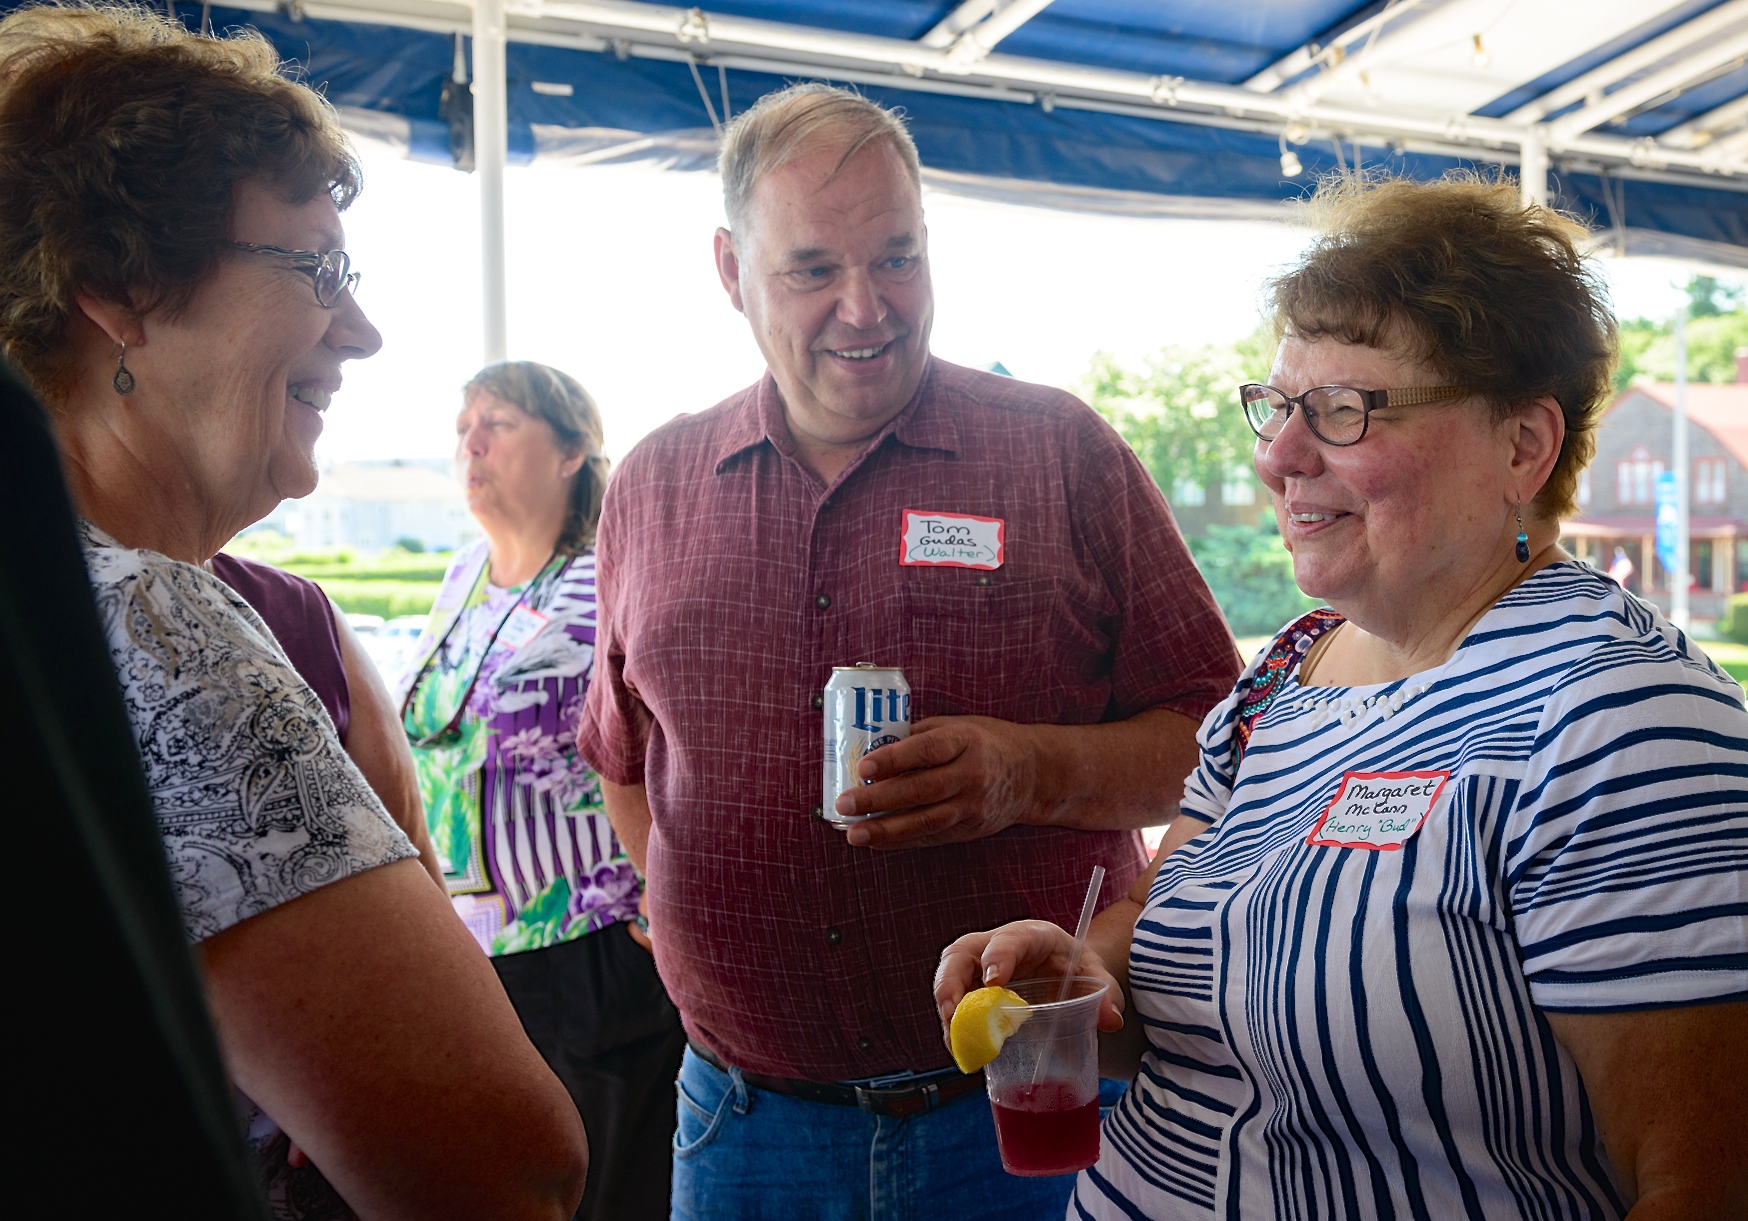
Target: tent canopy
[{"x": 1636, "y": 110}]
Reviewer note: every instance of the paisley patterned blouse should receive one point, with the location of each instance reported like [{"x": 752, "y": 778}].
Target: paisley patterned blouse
[
  {"x": 515, "y": 814},
  {"x": 257, "y": 802}
]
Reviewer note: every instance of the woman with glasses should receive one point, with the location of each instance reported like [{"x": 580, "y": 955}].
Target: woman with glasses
[
  {"x": 491, "y": 708},
  {"x": 173, "y": 283},
  {"x": 1455, "y": 922}
]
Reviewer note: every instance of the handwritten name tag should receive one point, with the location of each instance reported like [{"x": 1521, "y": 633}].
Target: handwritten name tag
[
  {"x": 522, "y": 626},
  {"x": 952, "y": 540},
  {"x": 1380, "y": 810}
]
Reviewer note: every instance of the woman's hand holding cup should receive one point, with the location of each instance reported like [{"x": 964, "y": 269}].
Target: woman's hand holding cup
[{"x": 1025, "y": 949}]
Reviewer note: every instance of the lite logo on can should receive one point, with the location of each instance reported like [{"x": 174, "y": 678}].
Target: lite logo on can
[{"x": 866, "y": 707}]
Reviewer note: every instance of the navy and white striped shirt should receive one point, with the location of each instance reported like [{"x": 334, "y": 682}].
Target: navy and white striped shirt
[{"x": 1353, "y": 1027}]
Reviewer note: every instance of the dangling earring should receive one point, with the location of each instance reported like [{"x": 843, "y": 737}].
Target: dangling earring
[
  {"x": 1522, "y": 539},
  {"x": 123, "y": 380}
]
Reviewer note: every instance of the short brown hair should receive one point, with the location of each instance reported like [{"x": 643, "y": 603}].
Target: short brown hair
[
  {"x": 122, "y": 136},
  {"x": 1490, "y": 292},
  {"x": 558, "y": 398},
  {"x": 783, "y": 125}
]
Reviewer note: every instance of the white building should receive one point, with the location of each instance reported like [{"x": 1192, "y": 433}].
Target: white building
[{"x": 374, "y": 505}]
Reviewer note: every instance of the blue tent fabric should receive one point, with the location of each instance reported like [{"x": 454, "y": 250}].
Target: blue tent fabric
[
  {"x": 1713, "y": 216},
  {"x": 1210, "y": 40},
  {"x": 1696, "y": 100},
  {"x": 1595, "y": 57},
  {"x": 401, "y": 71}
]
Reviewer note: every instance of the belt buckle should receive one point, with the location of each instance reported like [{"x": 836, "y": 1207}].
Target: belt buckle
[{"x": 902, "y": 1103}]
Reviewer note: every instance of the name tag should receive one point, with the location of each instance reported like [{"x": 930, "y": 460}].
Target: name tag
[
  {"x": 1380, "y": 810},
  {"x": 522, "y": 626},
  {"x": 952, "y": 540}
]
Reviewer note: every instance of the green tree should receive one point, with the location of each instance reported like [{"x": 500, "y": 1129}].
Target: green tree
[
  {"x": 1250, "y": 575},
  {"x": 1180, "y": 412},
  {"x": 1636, "y": 337},
  {"x": 1717, "y": 327},
  {"x": 1707, "y": 297}
]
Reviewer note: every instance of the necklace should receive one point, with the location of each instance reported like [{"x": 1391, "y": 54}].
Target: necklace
[{"x": 1349, "y": 709}]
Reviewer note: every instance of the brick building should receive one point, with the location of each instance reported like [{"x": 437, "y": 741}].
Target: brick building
[
  {"x": 1236, "y": 499},
  {"x": 1617, "y": 509}
]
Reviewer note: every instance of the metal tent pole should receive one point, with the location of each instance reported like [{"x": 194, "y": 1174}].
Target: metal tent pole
[
  {"x": 1678, "y": 578},
  {"x": 491, "y": 135},
  {"x": 1532, "y": 167}
]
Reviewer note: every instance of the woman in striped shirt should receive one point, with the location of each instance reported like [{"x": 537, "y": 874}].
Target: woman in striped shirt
[{"x": 1455, "y": 921}]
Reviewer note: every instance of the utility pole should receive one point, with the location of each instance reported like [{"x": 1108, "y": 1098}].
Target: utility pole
[{"x": 1678, "y": 578}]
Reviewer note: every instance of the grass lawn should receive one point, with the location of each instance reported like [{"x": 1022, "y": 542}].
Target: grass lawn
[
  {"x": 390, "y": 584},
  {"x": 1731, "y": 656},
  {"x": 388, "y": 598}
]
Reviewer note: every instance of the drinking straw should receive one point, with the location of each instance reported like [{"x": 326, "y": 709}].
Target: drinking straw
[
  {"x": 1086, "y": 915},
  {"x": 1080, "y": 929}
]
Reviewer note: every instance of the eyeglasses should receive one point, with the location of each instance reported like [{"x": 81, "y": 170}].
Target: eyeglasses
[
  {"x": 1338, "y": 415},
  {"x": 330, "y": 271}
]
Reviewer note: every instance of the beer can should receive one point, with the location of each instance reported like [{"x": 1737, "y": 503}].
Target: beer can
[{"x": 866, "y": 707}]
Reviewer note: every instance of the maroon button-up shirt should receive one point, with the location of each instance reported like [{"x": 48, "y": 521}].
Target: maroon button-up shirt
[{"x": 731, "y": 581}]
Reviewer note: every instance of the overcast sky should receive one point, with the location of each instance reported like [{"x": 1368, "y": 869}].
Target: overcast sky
[{"x": 611, "y": 279}]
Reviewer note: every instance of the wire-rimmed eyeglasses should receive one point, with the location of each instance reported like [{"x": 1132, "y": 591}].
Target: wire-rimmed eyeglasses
[
  {"x": 1338, "y": 415},
  {"x": 329, "y": 271}
]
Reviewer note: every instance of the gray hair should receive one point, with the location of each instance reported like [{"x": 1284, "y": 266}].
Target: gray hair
[
  {"x": 558, "y": 398},
  {"x": 783, "y": 125}
]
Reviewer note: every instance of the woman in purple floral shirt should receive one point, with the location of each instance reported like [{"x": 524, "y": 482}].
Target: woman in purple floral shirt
[{"x": 491, "y": 707}]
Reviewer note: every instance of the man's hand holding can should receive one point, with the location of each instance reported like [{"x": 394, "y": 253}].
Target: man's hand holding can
[{"x": 954, "y": 779}]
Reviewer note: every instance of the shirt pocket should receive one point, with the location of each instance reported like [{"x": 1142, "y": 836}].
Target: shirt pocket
[{"x": 982, "y": 650}]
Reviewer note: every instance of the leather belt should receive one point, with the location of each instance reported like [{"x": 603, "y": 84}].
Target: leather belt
[{"x": 901, "y": 1100}]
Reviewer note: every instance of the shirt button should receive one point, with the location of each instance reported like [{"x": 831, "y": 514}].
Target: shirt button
[
  {"x": 864, "y": 1043},
  {"x": 819, "y": 701},
  {"x": 823, "y": 601},
  {"x": 983, "y": 579},
  {"x": 833, "y": 936},
  {"x": 819, "y": 811}
]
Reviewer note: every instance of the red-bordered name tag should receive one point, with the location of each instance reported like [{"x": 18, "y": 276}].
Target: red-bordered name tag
[
  {"x": 1379, "y": 810},
  {"x": 952, "y": 540}
]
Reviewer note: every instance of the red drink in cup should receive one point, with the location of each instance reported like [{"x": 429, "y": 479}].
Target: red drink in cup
[
  {"x": 1046, "y": 1129},
  {"x": 1044, "y": 1086}
]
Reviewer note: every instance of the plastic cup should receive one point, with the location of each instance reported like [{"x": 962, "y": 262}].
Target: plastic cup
[{"x": 1044, "y": 1087}]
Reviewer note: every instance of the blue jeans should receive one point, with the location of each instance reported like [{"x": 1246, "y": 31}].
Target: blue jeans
[{"x": 742, "y": 1152}]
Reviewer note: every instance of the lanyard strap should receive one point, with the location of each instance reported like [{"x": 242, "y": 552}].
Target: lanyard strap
[{"x": 451, "y": 733}]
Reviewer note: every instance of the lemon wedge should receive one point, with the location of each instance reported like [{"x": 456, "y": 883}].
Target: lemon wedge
[{"x": 982, "y": 1023}]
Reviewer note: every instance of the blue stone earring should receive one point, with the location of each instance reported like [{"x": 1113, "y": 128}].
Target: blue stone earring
[{"x": 1522, "y": 539}]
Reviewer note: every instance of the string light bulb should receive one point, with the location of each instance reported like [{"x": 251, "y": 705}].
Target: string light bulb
[
  {"x": 1290, "y": 165},
  {"x": 1481, "y": 57}
]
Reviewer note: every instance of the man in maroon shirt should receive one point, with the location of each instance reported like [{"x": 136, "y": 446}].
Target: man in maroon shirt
[{"x": 1058, "y": 677}]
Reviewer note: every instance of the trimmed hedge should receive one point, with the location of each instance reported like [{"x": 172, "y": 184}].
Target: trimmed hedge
[
  {"x": 1734, "y": 624},
  {"x": 390, "y": 599}
]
